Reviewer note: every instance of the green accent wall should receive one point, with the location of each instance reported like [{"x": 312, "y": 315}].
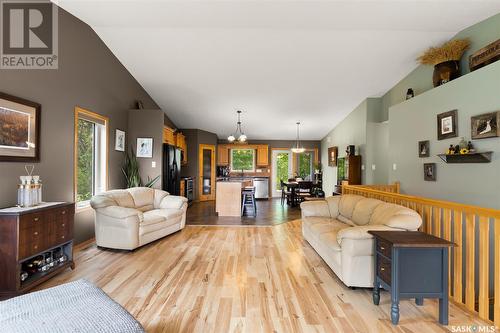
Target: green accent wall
[
  {"x": 416, "y": 120},
  {"x": 420, "y": 79}
]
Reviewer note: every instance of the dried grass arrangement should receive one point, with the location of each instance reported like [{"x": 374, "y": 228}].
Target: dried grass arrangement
[{"x": 452, "y": 50}]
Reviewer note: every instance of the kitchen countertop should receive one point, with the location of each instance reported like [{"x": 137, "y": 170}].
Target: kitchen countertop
[{"x": 236, "y": 178}]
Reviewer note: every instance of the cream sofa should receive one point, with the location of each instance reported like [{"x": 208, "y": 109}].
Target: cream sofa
[
  {"x": 337, "y": 229},
  {"x": 128, "y": 219}
]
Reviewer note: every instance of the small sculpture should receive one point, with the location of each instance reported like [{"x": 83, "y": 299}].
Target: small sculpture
[
  {"x": 451, "y": 150},
  {"x": 471, "y": 148}
]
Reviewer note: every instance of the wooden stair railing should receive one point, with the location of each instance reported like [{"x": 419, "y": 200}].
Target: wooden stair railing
[{"x": 450, "y": 220}]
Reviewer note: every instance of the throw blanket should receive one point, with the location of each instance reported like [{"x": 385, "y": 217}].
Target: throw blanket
[{"x": 72, "y": 307}]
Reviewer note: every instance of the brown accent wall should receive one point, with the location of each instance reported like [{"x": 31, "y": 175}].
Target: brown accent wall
[
  {"x": 195, "y": 137},
  {"x": 89, "y": 76}
]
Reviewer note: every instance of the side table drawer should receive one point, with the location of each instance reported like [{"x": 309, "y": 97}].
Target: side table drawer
[
  {"x": 384, "y": 269},
  {"x": 384, "y": 248}
]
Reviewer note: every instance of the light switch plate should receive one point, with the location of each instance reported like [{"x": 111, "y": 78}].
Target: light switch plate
[
  {"x": 374, "y": 167},
  {"x": 362, "y": 166},
  {"x": 153, "y": 164},
  {"x": 394, "y": 166}
]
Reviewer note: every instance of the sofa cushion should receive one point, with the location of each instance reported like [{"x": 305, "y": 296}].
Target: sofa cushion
[
  {"x": 168, "y": 213},
  {"x": 152, "y": 217},
  {"x": 363, "y": 211},
  {"x": 158, "y": 197},
  {"x": 143, "y": 196},
  {"x": 121, "y": 197},
  {"x": 347, "y": 204},
  {"x": 333, "y": 205},
  {"x": 345, "y": 220},
  {"x": 329, "y": 239}
]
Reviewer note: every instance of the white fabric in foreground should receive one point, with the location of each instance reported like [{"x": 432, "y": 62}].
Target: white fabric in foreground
[{"x": 77, "y": 306}]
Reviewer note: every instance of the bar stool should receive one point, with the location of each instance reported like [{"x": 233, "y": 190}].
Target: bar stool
[{"x": 248, "y": 201}]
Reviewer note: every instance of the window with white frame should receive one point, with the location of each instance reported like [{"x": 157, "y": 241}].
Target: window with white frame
[
  {"x": 91, "y": 143},
  {"x": 243, "y": 160}
]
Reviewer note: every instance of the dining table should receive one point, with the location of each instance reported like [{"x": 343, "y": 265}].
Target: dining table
[{"x": 292, "y": 186}]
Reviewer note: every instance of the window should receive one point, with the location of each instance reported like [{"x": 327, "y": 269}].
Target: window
[
  {"x": 305, "y": 165},
  {"x": 91, "y": 142},
  {"x": 243, "y": 159}
]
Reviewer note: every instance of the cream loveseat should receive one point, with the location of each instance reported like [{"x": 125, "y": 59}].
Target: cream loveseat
[
  {"x": 128, "y": 219},
  {"x": 337, "y": 229}
]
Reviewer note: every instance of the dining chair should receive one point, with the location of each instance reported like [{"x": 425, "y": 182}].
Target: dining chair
[
  {"x": 285, "y": 193},
  {"x": 304, "y": 190}
]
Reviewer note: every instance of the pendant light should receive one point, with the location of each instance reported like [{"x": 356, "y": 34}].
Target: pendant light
[
  {"x": 298, "y": 149},
  {"x": 239, "y": 133}
]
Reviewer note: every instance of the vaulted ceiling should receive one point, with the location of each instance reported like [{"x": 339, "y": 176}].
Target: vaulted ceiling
[{"x": 278, "y": 61}]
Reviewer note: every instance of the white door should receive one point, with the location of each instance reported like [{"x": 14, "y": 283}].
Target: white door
[{"x": 282, "y": 170}]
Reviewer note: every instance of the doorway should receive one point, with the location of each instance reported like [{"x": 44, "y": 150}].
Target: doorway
[
  {"x": 281, "y": 169},
  {"x": 206, "y": 166}
]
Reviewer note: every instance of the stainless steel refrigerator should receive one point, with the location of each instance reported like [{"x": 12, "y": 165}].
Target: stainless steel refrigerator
[{"x": 171, "y": 169}]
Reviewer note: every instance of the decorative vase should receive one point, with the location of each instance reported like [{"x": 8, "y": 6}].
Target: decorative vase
[{"x": 445, "y": 72}]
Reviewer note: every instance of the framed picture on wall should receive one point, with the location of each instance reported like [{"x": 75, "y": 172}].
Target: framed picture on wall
[
  {"x": 119, "y": 140},
  {"x": 19, "y": 129},
  {"x": 332, "y": 156},
  {"x": 485, "y": 125},
  {"x": 423, "y": 148},
  {"x": 144, "y": 147},
  {"x": 430, "y": 172},
  {"x": 447, "y": 125}
]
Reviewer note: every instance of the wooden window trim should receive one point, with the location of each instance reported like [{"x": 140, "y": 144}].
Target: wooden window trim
[{"x": 80, "y": 111}]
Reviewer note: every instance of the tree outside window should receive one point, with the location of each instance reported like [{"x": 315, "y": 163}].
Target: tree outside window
[
  {"x": 243, "y": 159},
  {"x": 85, "y": 160}
]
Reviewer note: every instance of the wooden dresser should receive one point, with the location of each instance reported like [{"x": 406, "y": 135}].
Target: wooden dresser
[{"x": 27, "y": 234}]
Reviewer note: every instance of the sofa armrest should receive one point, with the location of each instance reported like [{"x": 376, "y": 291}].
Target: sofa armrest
[
  {"x": 118, "y": 212},
  {"x": 315, "y": 208},
  {"x": 361, "y": 232},
  {"x": 406, "y": 222},
  {"x": 173, "y": 201}
]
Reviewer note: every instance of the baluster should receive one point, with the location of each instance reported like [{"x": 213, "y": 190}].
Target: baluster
[
  {"x": 428, "y": 219},
  {"x": 436, "y": 217},
  {"x": 484, "y": 228},
  {"x": 420, "y": 211},
  {"x": 497, "y": 274},
  {"x": 447, "y": 236},
  {"x": 470, "y": 223},
  {"x": 457, "y": 258}
]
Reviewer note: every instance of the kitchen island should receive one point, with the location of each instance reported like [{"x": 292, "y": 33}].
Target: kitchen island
[{"x": 228, "y": 196}]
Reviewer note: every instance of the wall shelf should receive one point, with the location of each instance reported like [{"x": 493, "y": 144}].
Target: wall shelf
[{"x": 482, "y": 157}]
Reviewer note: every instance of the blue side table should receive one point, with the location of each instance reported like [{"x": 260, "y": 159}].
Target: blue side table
[{"x": 411, "y": 264}]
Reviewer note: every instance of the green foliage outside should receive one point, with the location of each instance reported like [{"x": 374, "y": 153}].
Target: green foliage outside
[
  {"x": 282, "y": 169},
  {"x": 85, "y": 159},
  {"x": 305, "y": 165},
  {"x": 242, "y": 159}
]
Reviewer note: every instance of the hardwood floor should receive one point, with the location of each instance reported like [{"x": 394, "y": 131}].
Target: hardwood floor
[
  {"x": 269, "y": 212},
  {"x": 252, "y": 279}
]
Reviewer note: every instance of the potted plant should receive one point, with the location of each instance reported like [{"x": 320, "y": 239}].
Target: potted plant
[
  {"x": 130, "y": 170},
  {"x": 445, "y": 59}
]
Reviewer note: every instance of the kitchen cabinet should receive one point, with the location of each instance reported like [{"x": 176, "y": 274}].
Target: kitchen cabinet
[
  {"x": 180, "y": 142},
  {"x": 168, "y": 135},
  {"x": 262, "y": 155},
  {"x": 222, "y": 155}
]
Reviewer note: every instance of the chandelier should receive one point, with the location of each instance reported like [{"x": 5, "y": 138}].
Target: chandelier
[
  {"x": 298, "y": 149},
  {"x": 239, "y": 133}
]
